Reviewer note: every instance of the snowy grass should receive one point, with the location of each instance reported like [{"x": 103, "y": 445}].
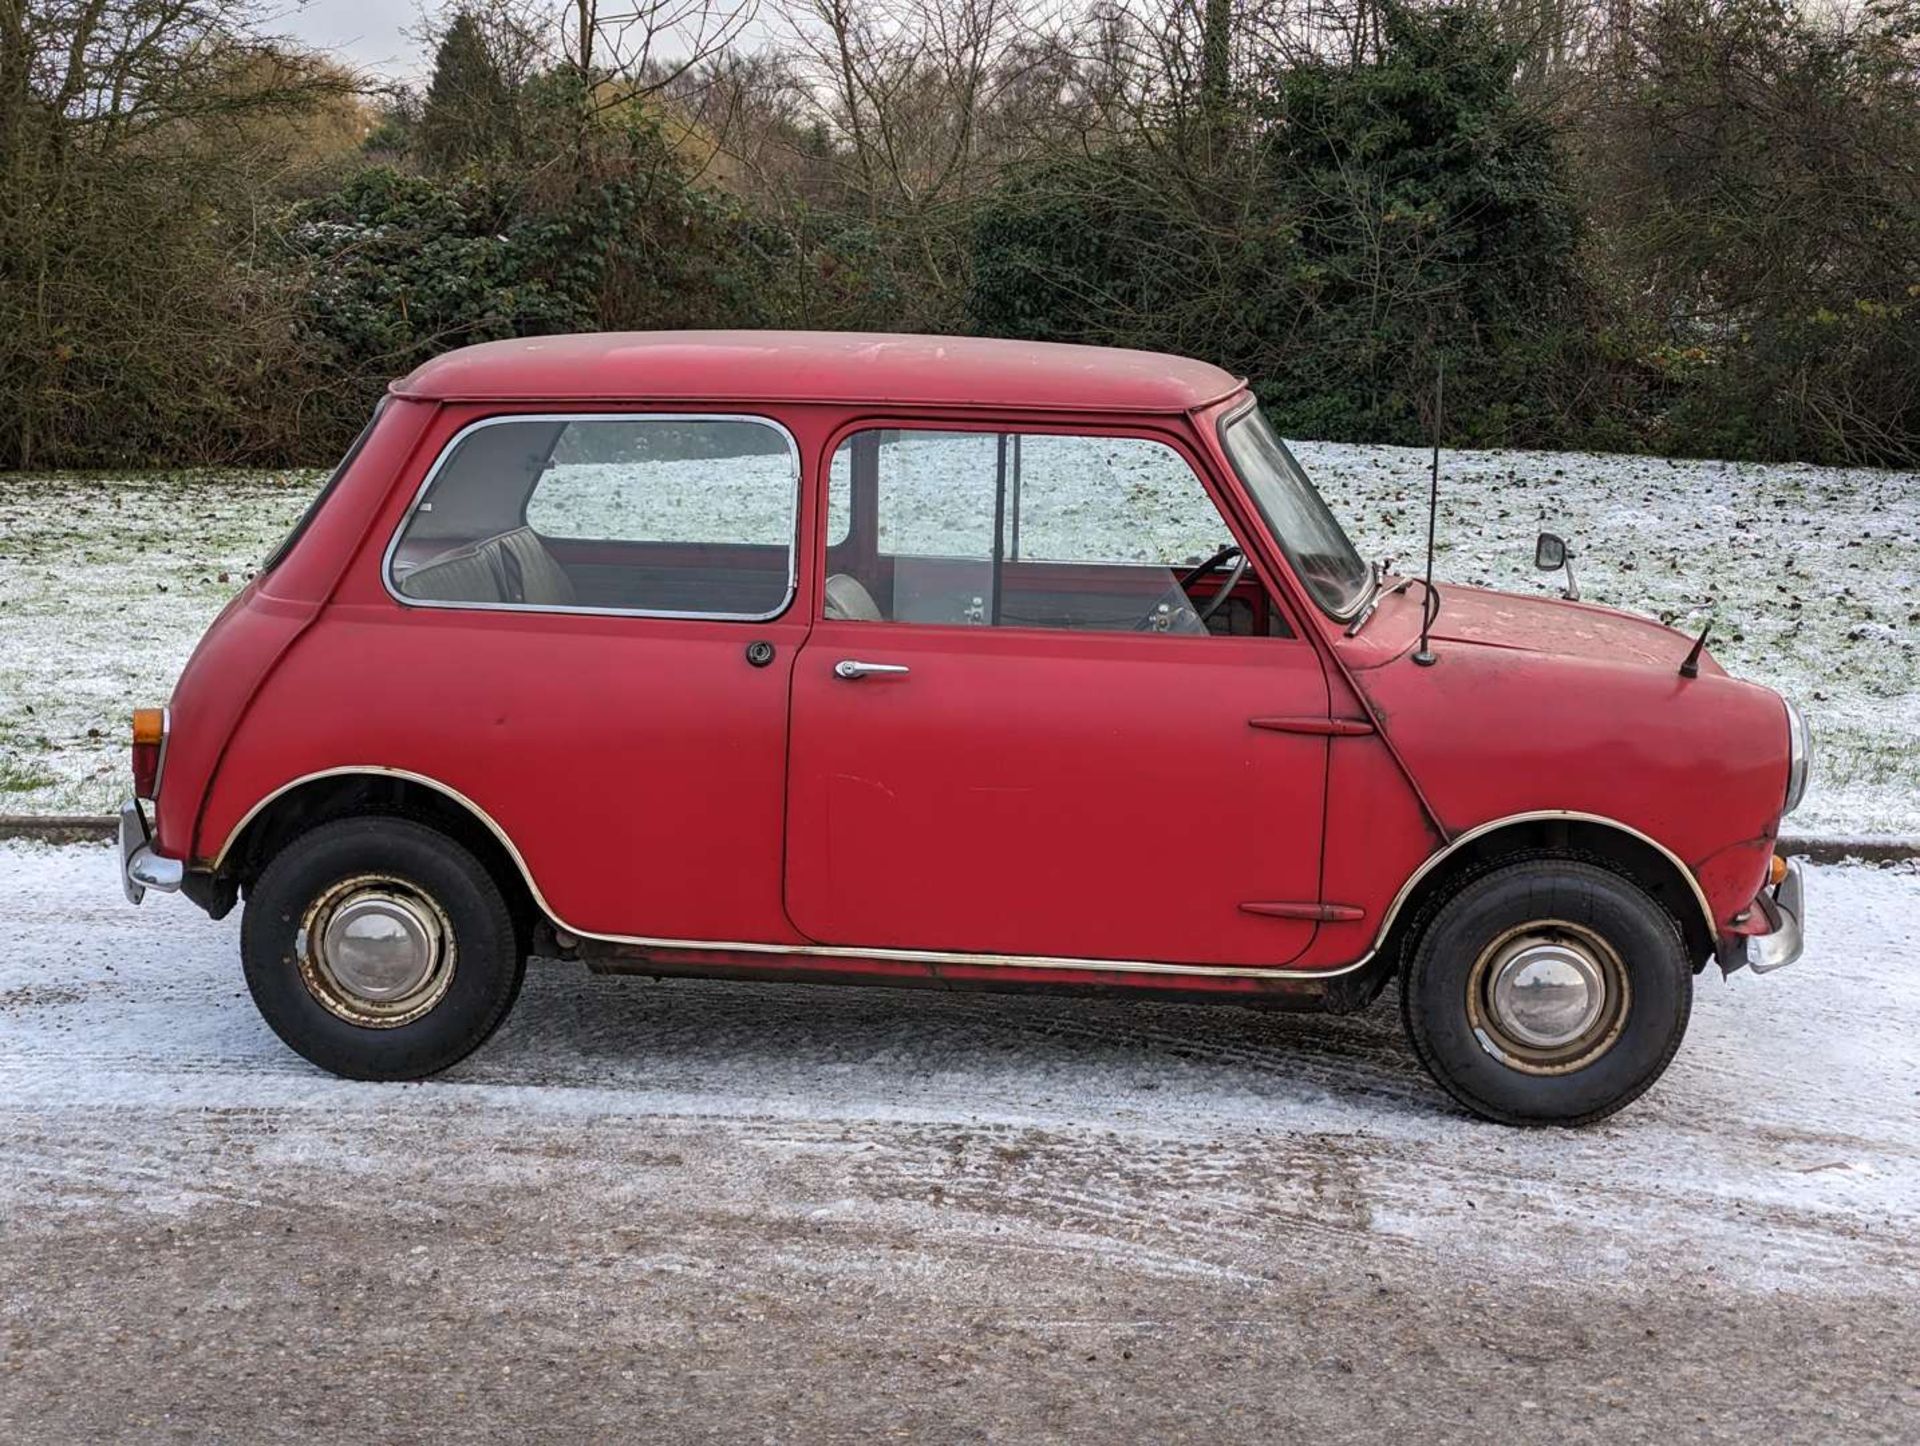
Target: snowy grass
[
  {"x": 106, "y": 584},
  {"x": 1810, "y": 574}
]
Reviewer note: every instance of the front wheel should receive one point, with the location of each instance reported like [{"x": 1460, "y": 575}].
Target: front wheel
[
  {"x": 1547, "y": 992},
  {"x": 380, "y": 949}
]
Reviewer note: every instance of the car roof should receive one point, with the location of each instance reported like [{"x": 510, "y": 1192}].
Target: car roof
[{"x": 818, "y": 366}]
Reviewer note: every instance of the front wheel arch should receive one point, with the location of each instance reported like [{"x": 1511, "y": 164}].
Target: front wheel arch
[{"x": 1574, "y": 838}]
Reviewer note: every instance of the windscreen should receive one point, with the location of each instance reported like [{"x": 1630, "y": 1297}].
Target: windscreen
[{"x": 1308, "y": 533}]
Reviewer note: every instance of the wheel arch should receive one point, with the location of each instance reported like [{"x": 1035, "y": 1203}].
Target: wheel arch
[
  {"x": 369, "y": 789},
  {"x": 1618, "y": 846}
]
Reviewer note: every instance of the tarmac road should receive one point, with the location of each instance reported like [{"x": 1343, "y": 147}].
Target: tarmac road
[{"x": 695, "y": 1211}]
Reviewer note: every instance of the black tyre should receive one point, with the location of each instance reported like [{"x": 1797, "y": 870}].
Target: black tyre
[
  {"x": 380, "y": 949},
  {"x": 1547, "y": 992}
]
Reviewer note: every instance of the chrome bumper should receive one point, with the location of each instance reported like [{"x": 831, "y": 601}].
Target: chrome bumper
[
  {"x": 140, "y": 867},
  {"x": 1786, "y": 911}
]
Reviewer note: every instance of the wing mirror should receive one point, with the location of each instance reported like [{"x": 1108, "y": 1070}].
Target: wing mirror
[{"x": 1550, "y": 554}]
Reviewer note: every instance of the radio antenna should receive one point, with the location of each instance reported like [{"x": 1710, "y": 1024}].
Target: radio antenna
[{"x": 1424, "y": 657}]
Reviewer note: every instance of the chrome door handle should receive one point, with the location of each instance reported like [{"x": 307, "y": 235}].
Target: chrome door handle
[{"x": 852, "y": 669}]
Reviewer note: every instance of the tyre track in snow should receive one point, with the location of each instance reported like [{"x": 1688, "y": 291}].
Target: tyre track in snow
[{"x": 703, "y": 1208}]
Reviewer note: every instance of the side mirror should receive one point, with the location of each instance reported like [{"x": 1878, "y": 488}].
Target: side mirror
[{"x": 1550, "y": 554}]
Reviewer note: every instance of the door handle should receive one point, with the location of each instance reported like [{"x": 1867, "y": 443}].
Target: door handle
[{"x": 853, "y": 670}]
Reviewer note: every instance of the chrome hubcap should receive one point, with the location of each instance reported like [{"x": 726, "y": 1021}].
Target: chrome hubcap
[
  {"x": 379, "y": 946},
  {"x": 1548, "y": 997},
  {"x": 376, "y": 951}
]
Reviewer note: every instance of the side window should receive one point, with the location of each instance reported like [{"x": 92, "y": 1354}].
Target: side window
[
  {"x": 1112, "y": 499},
  {"x": 690, "y": 516},
  {"x": 1109, "y": 534}
]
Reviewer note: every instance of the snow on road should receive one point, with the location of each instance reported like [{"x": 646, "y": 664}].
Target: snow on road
[
  {"x": 1811, "y": 576},
  {"x": 713, "y": 1211},
  {"x": 1784, "y": 1145}
]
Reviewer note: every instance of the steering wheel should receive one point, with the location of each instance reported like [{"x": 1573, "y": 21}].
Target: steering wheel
[{"x": 1228, "y": 553}]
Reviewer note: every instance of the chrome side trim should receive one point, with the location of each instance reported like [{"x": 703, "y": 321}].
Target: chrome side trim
[
  {"x": 648, "y": 941},
  {"x": 505, "y": 418},
  {"x": 1434, "y": 860}
]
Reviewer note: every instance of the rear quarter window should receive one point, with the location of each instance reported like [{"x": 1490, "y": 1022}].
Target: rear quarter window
[{"x": 685, "y": 516}]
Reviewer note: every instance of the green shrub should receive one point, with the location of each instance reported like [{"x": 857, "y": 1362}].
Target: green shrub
[{"x": 1359, "y": 225}]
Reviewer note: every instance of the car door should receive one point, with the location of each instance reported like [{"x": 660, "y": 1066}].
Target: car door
[{"x": 1011, "y": 734}]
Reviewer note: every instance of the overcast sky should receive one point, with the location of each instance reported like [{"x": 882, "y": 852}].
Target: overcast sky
[
  {"x": 366, "y": 33},
  {"x": 369, "y": 34}
]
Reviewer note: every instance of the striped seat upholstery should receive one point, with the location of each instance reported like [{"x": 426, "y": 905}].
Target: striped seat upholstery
[
  {"x": 511, "y": 568},
  {"x": 847, "y": 598}
]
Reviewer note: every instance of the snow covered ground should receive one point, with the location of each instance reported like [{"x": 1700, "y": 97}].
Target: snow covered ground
[
  {"x": 706, "y": 1210},
  {"x": 1810, "y": 574}
]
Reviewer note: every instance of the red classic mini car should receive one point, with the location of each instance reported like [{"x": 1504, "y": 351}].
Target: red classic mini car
[{"x": 906, "y": 659}]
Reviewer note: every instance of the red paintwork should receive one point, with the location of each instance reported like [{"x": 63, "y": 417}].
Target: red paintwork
[
  {"x": 1323, "y": 727},
  {"x": 1571, "y": 707},
  {"x": 1254, "y": 803},
  {"x": 860, "y": 371}
]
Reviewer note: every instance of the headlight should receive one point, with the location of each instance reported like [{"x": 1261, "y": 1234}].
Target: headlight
[{"x": 1799, "y": 757}]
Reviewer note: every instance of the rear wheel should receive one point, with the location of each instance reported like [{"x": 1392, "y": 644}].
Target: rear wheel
[
  {"x": 1547, "y": 992},
  {"x": 380, "y": 949}
]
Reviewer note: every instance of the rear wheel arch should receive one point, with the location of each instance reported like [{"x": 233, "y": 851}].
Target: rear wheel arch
[
  {"x": 308, "y": 802},
  {"x": 1574, "y": 837}
]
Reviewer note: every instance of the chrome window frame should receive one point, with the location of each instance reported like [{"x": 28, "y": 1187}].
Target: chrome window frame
[
  {"x": 998, "y": 429},
  {"x": 1225, "y": 424},
  {"x": 388, "y": 581},
  {"x": 1093, "y": 427}
]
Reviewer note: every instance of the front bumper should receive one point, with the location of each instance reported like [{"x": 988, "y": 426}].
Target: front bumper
[
  {"x": 140, "y": 867},
  {"x": 1780, "y": 935}
]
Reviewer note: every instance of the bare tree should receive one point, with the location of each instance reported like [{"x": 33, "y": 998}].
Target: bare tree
[{"x": 137, "y": 139}]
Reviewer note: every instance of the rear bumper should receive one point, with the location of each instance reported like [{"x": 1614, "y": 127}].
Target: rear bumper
[
  {"x": 1779, "y": 928},
  {"x": 140, "y": 867}
]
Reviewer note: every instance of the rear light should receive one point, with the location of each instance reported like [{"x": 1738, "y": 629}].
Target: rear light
[{"x": 149, "y": 751}]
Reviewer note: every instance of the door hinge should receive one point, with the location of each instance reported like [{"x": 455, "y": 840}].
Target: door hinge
[
  {"x": 1323, "y": 913},
  {"x": 1322, "y": 727}
]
